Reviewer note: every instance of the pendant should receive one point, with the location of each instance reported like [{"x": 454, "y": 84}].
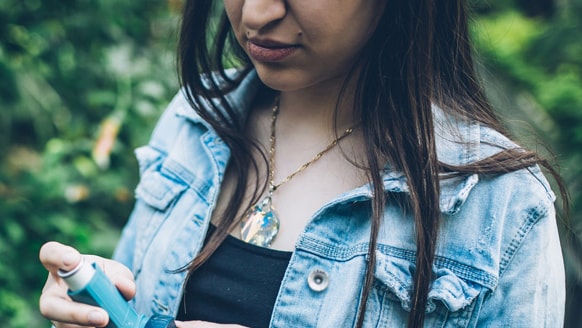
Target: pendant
[{"x": 260, "y": 224}]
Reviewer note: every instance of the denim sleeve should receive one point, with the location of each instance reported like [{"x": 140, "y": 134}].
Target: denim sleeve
[{"x": 531, "y": 290}]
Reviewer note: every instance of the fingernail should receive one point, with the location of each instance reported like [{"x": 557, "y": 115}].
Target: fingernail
[
  {"x": 70, "y": 258},
  {"x": 96, "y": 318}
]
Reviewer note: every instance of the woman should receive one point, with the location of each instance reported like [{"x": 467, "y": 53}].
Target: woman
[{"x": 350, "y": 172}]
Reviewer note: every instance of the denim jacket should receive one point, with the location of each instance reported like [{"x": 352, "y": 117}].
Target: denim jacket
[{"x": 498, "y": 259}]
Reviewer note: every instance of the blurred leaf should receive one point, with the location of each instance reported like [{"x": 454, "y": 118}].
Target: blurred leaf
[{"x": 68, "y": 68}]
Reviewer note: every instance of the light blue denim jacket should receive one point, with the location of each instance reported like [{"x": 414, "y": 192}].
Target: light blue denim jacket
[{"x": 498, "y": 260}]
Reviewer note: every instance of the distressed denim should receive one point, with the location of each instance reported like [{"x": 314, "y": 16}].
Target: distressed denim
[{"x": 498, "y": 260}]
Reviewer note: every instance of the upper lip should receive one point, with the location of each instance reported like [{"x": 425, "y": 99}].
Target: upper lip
[{"x": 269, "y": 43}]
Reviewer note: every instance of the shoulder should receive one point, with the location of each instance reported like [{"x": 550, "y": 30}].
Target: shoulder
[
  {"x": 462, "y": 142},
  {"x": 486, "y": 218},
  {"x": 184, "y": 150},
  {"x": 182, "y": 114},
  {"x": 499, "y": 221}
]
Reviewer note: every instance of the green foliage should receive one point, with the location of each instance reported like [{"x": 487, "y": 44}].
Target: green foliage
[
  {"x": 82, "y": 83},
  {"x": 539, "y": 55}
]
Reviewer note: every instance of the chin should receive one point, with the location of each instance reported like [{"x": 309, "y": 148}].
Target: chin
[{"x": 284, "y": 80}]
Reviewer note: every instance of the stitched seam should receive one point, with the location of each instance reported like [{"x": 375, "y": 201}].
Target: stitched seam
[
  {"x": 533, "y": 216},
  {"x": 345, "y": 253}
]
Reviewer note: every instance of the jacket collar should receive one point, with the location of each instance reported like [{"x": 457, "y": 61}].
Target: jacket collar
[
  {"x": 457, "y": 143},
  {"x": 240, "y": 98}
]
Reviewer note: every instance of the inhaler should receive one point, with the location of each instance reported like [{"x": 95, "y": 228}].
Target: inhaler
[{"x": 88, "y": 284}]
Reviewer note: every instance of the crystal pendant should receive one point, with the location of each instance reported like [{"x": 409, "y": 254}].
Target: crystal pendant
[{"x": 260, "y": 224}]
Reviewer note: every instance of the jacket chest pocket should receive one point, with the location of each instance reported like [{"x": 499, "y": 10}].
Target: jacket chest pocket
[
  {"x": 452, "y": 300},
  {"x": 156, "y": 198},
  {"x": 172, "y": 204}
]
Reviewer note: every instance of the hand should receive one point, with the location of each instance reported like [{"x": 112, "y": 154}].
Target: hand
[
  {"x": 57, "y": 306},
  {"x": 204, "y": 324}
]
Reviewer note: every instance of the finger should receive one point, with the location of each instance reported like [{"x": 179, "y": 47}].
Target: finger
[
  {"x": 204, "y": 324},
  {"x": 66, "y": 325},
  {"x": 54, "y": 256},
  {"x": 126, "y": 287},
  {"x": 188, "y": 324},
  {"x": 118, "y": 274},
  {"x": 64, "y": 311},
  {"x": 54, "y": 285}
]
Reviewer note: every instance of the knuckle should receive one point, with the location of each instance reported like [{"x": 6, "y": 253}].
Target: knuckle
[
  {"x": 43, "y": 310},
  {"x": 44, "y": 306}
]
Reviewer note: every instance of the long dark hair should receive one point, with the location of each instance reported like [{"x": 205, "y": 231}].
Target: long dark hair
[{"x": 419, "y": 55}]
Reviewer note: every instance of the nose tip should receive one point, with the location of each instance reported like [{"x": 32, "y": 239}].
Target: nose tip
[{"x": 259, "y": 14}]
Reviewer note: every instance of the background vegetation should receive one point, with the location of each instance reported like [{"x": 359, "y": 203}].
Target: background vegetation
[{"x": 82, "y": 83}]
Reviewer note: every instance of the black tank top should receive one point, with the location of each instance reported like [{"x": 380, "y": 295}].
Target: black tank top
[{"x": 238, "y": 284}]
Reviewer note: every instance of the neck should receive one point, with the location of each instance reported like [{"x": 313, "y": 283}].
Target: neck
[{"x": 317, "y": 109}]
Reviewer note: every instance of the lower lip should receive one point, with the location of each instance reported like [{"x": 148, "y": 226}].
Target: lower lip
[{"x": 264, "y": 54}]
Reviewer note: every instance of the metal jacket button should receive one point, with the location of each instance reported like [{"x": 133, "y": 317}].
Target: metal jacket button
[{"x": 318, "y": 280}]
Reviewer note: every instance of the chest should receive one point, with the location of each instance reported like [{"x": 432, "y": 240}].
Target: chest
[{"x": 301, "y": 190}]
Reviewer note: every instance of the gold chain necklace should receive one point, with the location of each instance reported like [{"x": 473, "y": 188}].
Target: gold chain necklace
[{"x": 260, "y": 223}]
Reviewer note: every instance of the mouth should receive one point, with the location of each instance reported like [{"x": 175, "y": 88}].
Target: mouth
[{"x": 269, "y": 50}]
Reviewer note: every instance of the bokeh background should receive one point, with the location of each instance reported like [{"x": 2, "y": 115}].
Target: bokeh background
[{"x": 82, "y": 83}]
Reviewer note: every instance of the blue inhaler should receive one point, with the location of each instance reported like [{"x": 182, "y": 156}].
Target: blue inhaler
[{"x": 89, "y": 285}]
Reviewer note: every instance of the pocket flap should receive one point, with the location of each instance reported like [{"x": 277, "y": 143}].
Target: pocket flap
[
  {"x": 147, "y": 158},
  {"x": 453, "y": 292},
  {"x": 158, "y": 190},
  {"x": 155, "y": 188}
]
